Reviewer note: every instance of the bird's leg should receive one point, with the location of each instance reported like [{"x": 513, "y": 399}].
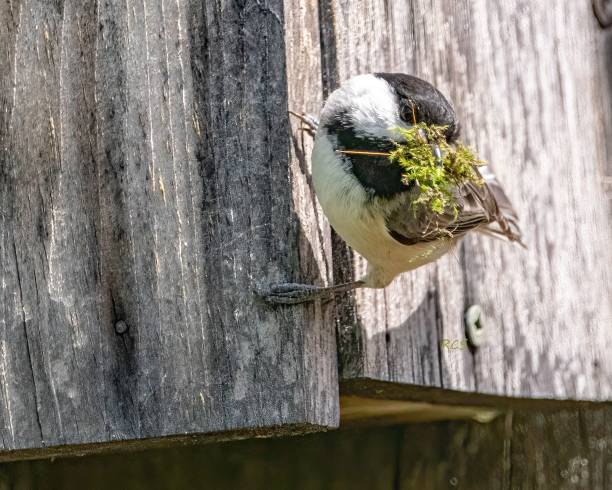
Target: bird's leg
[
  {"x": 291, "y": 293},
  {"x": 309, "y": 123}
]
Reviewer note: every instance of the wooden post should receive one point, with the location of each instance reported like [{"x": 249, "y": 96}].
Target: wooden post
[{"x": 145, "y": 193}]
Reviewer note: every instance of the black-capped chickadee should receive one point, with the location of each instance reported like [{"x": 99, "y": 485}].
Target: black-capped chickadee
[{"x": 364, "y": 197}]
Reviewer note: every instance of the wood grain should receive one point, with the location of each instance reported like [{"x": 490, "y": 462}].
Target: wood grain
[
  {"x": 604, "y": 54},
  {"x": 314, "y": 246},
  {"x": 538, "y": 116},
  {"x": 146, "y": 190}
]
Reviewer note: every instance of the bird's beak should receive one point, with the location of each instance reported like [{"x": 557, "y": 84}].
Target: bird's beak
[{"x": 435, "y": 148}]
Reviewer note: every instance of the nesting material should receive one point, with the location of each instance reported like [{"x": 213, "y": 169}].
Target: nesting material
[
  {"x": 435, "y": 173},
  {"x": 434, "y": 166}
]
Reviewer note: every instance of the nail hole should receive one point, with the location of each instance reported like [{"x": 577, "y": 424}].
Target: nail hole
[{"x": 121, "y": 327}]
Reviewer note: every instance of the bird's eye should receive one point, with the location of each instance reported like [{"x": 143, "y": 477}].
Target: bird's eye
[{"x": 408, "y": 111}]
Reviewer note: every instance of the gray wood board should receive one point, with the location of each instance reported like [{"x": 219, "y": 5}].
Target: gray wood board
[
  {"x": 606, "y": 68},
  {"x": 528, "y": 81},
  {"x": 145, "y": 178}
]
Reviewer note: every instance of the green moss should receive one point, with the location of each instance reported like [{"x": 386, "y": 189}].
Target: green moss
[{"x": 435, "y": 177}]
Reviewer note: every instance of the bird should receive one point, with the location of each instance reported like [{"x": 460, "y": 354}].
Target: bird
[{"x": 362, "y": 192}]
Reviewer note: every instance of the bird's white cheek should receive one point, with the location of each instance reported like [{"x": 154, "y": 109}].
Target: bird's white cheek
[
  {"x": 338, "y": 190},
  {"x": 371, "y": 104}
]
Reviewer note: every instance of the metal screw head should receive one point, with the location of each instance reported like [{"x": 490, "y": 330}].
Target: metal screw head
[{"x": 474, "y": 325}]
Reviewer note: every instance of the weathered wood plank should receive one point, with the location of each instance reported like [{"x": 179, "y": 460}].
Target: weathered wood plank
[
  {"x": 302, "y": 41},
  {"x": 560, "y": 287},
  {"x": 539, "y": 120},
  {"x": 145, "y": 191},
  {"x": 604, "y": 53}
]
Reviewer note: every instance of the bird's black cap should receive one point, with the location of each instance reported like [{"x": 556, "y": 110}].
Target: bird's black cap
[{"x": 422, "y": 98}]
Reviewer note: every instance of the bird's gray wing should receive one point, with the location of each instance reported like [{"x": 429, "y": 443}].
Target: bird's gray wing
[
  {"x": 485, "y": 208},
  {"x": 506, "y": 220}
]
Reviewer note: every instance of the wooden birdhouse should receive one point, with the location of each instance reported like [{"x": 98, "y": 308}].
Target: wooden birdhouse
[{"x": 151, "y": 180}]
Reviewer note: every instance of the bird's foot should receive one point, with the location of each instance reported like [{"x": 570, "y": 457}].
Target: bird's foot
[
  {"x": 292, "y": 293},
  {"x": 308, "y": 123}
]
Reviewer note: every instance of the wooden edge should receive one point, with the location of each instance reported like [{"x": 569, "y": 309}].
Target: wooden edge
[
  {"x": 371, "y": 389},
  {"x": 360, "y": 411},
  {"x": 177, "y": 440},
  {"x": 363, "y": 402}
]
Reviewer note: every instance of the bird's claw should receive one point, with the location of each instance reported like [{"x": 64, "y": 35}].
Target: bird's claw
[
  {"x": 309, "y": 123},
  {"x": 291, "y": 293}
]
